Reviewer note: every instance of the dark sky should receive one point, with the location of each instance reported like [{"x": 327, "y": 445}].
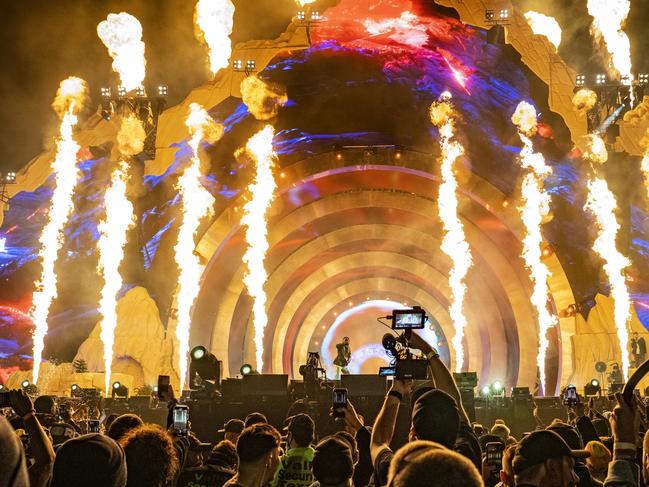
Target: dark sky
[{"x": 45, "y": 41}]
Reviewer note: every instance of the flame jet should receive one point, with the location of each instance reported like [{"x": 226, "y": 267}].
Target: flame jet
[
  {"x": 602, "y": 204},
  {"x": 67, "y": 104},
  {"x": 544, "y": 25},
  {"x": 262, "y": 189},
  {"x": 609, "y": 17},
  {"x": 213, "y": 23},
  {"x": 196, "y": 203},
  {"x": 113, "y": 234},
  {"x": 536, "y": 207},
  {"x": 122, "y": 35},
  {"x": 454, "y": 243}
]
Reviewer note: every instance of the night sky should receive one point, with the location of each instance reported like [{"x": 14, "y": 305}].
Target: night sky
[{"x": 45, "y": 41}]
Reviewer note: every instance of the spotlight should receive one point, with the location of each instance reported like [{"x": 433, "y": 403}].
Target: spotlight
[
  {"x": 600, "y": 79},
  {"x": 246, "y": 369},
  {"x": 301, "y": 16},
  {"x": 206, "y": 366},
  {"x": 237, "y": 65},
  {"x": 10, "y": 178},
  {"x": 498, "y": 389},
  {"x": 490, "y": 15},
  {"x": 162, "y": 90},
  {"x": 121, "y": 91},
  {"x": 29, "y": 388},
  {"x": 580, "y": 80},
  {"x": 105, "y": 92},
  {"x": 155, "y": 389},
  {"x": 504, "y": 14},
  {"x": 198, "y": 352},
  {"x": 139, "y": 92},
  {"x": 643, "y": 78},
  {"x": 74, "y": 390},
  {"x": 251, "y": 64},
  {"x": 339, "y": 156},
  {"x": 119, "y": 390},
  {"x": 486, "y": 391},
  {"x": 315, "y": 16},
  {"x": 593, "y": 388},
  {"x": 2, "y": 387}
]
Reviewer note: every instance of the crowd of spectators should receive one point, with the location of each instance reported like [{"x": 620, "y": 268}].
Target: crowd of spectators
[{"x": 444, "y": 449}]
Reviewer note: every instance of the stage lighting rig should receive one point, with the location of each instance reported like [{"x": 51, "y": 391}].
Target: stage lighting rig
[
  {"x": 497, "y": 389},
  {"x": 74, "y": 390},
  {"x": 29, "y": 388},
  {"x": 485, "y": 391},
  {"x": 600, "y": 79},
  {"x": 501, "y": 17},
  {"x": 146, "y": 108},
  {"x": 593, "y": 388},
  {"x": 580, "y": 80},
  {"x": 643, "y": 79},
  {"x": 119, "y": 390},
  {"x": 246, "y": 369},
  {"x": 207, "y": 367},
  {"x": 6, "y": 179}
]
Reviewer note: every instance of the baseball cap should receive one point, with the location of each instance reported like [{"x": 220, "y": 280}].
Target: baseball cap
[
  {"x": 539, "y": 446},
  {"x": 435, "y": 417},
  {"x": 332, "y": 462},
  {"x": 300, "y": 423},
  {"x": 569, "y": 434},
  {"x": 254, "y": 418},
  {"x": 233, "y": 426}
]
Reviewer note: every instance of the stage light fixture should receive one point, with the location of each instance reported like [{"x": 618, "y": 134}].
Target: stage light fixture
[
  {"x": 119, "y": 390},
  {"x": 643, "y": 78},
  {"x": 315, "y": 16},
  {"x": 486, "y": 391},
  {"x": 198, "y": 353},
  {"x": 593, "y": 388},
  {"x": 121, "y": 91},
  {"x": 339, "y": 156},
  {"x": 206, "y": 366},
  {"x": 490, "y": 15},
  {"x": 106, "y": 92},
  {"x": 10, "y": 178},
  {"x": 74, "y": 388},
  {"x": 600, "y": 79},
  {"x": 251, "y": 64},
  {"x": 2, "y": 387},
  {"x": 29, "y": 388},
  {"x": 155, "y": 389},
  {"x": 139, "y": 92},
  {"x": 246, "y": 369},
  {"x": 504, "y": 14},
  {"x": 162, "y": 90},
  {"x": 497, "y": 389},
  {"x": 237, "y": 64},
  {"x": 301, "y": 16},
  {"x": 580, "y": 80}
]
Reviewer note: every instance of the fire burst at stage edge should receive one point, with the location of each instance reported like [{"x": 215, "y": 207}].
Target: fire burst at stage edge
[{"x": 305, "y": 182}]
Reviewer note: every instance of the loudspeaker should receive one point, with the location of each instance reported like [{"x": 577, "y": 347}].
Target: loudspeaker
[
  {"x": 265, "y": 385},
  {"x": 364, "y": 384}
]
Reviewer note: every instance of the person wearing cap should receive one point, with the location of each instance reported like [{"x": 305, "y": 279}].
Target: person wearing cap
[
  {"x": 295, "y": 468},
  {"x": 437, "y": 415},
  {"x": 254, "y": 418},
  {"x": 574, "y": 440},
  {"x": 333, "y": 463},
  {"x": 543, "y": 458},
  {"x": 258, "y": 450},
  {"x": 92, "y": 459},
  {"x": 221, "y": 466},
  {"x": 232, "y": 429}
]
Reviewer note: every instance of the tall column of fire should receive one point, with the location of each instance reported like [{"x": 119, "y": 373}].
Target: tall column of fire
[
  {"x": 67, "y": 104},
  {"x": 263, "y": 101},
  {"x": 602, "y": 204},
  {"x": 454, "y": 243},
  {"x": 122, "y": 35},
  {"x": 196, "y": 203},
  {"x": 213, "y": 23},
  {"x": 536, "y": 207}
]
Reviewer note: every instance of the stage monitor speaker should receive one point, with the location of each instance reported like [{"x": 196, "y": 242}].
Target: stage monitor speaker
[
  {"x": 231, "y": 390},
  {"x": 364, "y": 384},
  {"x": 139, "y": 402},
  {"x": 265, "y": 385}
]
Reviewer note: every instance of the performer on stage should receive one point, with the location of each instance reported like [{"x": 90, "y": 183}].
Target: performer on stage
[
  {"x": 638, "y": 350},
  {"x": 343, "y": 358}
]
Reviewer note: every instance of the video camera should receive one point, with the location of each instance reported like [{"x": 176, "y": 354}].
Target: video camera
[{"x": 405, "y": 365}]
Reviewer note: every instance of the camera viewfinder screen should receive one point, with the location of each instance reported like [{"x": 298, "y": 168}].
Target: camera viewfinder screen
[{"x": 409, "y": 319}]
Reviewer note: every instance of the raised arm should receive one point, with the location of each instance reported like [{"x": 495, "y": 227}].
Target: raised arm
[{"x": 384, "y": 425}]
